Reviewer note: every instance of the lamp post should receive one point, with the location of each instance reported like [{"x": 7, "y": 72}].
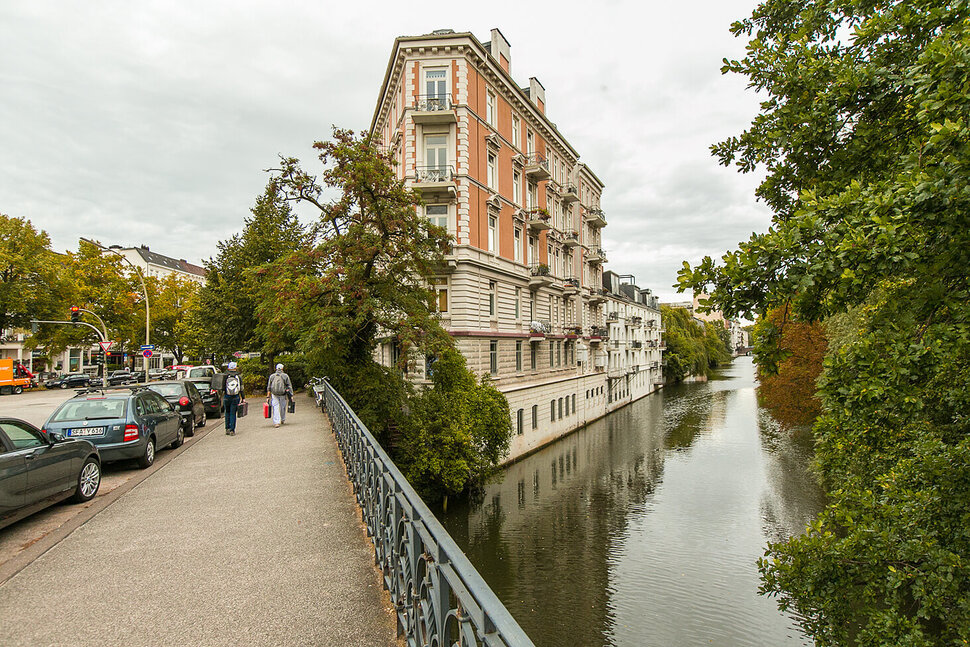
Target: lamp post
[{"x": 144, "y": 290}]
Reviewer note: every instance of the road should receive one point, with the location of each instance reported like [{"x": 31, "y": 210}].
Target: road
[{"x": 23, "y": 541}]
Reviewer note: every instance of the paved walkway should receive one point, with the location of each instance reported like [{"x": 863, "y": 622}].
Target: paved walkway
[{"x": 247, "y": 540}]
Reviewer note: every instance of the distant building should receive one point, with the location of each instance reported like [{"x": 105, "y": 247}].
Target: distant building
[
  {"x": 154, "y": 264},
  {"x": 693, "y": 307},
  {"x": 524, "y": 293}
]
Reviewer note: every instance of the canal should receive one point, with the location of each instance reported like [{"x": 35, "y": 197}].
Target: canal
[{"x": 645, "y": 528}]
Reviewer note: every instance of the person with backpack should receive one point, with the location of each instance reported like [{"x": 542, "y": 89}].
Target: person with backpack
[
  {"x": 234, "y": 396},
  {"x": 279, "y": 390}
]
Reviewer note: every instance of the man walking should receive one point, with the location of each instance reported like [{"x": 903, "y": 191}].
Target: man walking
[
  {"x": 233, "y": 397},
  {"x": 279, "y": 390}
]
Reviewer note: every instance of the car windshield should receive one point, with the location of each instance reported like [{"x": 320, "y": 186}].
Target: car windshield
[
  {"x": 91, "y": 409},
  {"x": 201, "y": 372},
  {"x": 167, "y": 390},
  {"x": 202, "y": 387}
]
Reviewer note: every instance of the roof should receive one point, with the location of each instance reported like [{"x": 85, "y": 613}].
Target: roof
[{"x": 178, "y": 264}]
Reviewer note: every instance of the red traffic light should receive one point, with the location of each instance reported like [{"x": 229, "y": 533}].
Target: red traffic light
[
  {"x": 75, "y": 314},
  {"x": 75, "y": 309}
]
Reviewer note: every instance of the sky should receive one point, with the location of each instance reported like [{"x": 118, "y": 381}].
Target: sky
[{"x": 153, "y": 122}]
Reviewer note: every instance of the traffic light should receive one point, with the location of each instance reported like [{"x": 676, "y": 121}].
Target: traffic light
[{"x": 75, "y": 314}]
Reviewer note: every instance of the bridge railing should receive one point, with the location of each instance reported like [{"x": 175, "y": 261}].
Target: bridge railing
[{"x": 439, "y": 597}]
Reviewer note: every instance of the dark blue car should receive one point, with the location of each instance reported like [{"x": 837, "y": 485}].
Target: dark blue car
[{"x": 123, "y": 423}]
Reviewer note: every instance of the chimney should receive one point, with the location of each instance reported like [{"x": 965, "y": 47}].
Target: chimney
[
  {"x": 501, "y": 50},
  {"x": 538, "y": 94}
]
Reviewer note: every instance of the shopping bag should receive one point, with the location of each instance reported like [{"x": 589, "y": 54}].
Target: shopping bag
[
  {"x": 266, "y": 411},
  {"x": 242, "y": 410}
]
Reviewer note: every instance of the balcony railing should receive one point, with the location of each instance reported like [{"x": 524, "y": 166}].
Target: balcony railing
[
  {"x": 537, "y": 166},
  {"x": 434, "y": 109},
  {"x": 596, "y": 217},
  {"x": 596, "y": 255},
  {"x": 600, "y": 332},
  {"x": 570, "y": 193},
  {"x": 539, "y": 275},
  {"x": 613, "y": 316},
  {"x": 434, "y": 174},
  {"x": 538, "y": 330},
  {"x": 636, "y": 345},
  {"x": 439, "y": 597},
  {"x": 538, "y": 219},
  {"x": 571, "y": 239}
]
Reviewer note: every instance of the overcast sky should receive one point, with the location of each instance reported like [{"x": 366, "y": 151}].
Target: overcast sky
[{"x": 151, "y": 122}]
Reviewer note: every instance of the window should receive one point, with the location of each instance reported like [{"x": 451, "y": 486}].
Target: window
[
  {"x": 558, "y": 353},
  {"x": 516, "y": 132},
  {"x": 492, "y": 171},
  {"x": 490, "y": 108},
  {"x": 435, "y": 158},
  {"x": 440, "y": 288},
  {"x": 492, "y": 294},
  {"x": 492, "y": 237},
  {"x": 532, "y": 197},
  {"x": 552, "y": 352},
  {"x": 493, "y": 357},
  {"x": 535, "y": 416},
  {"x": 437, "y": 214},
  {"x": 517, "y": 252},
  {"x": 533, "y": 355},
  {"x": 552, "y": 410},
  {"x": 533, "y": 250},
  {"x": 530, "y": 141},
  {"x": 518, "y": 356},
  {"x": 21, "y": 437},
  {"x": 436, "y": 87},
  {"x": 516, "y": 187},
  {"x": 519, "y": 421},
  {"x": 532, "y": 309},
  {"x": 518, "y": 299},
  {"x": 560, "y": 407}
]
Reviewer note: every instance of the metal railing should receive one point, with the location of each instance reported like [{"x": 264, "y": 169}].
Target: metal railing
[
  {"x": 433, "y": 102},
  {"x": 434, "y": 173},
  {"x": 439, "y": 597}
]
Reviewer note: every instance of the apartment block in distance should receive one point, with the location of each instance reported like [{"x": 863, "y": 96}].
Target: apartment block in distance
[{"x": 524, "y": 292}]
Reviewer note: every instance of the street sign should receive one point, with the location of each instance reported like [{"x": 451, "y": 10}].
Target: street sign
[
  {"x": 147, "y": 353},
  {"x": 148, "y": 347},
  {"x": 105, "y": 345}
]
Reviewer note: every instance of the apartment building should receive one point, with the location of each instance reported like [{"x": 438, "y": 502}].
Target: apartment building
[{"x": 524, "y": 292}]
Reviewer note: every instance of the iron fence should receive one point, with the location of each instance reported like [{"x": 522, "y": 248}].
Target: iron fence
[{"x": 439, "y": 597}]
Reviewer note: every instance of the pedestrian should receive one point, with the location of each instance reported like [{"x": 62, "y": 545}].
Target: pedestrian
[
  {"x": 279, "y": 390},
  {"x": 234, "y": 396}
]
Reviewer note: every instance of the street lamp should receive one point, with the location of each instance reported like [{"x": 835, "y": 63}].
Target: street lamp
[{"x": 144, "y": 289}]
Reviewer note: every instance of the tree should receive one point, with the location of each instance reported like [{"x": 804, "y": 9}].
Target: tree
[
  {"x": 865, "y": 138},
  {"x": 693, "y": 347},
  {"x": 232, "y": 292},
  {"x": 31, "y": 285},
  {"x": 172, "y": 326}
]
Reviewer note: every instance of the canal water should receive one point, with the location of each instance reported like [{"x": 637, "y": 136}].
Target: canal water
[{"x": 645, "y": 528}]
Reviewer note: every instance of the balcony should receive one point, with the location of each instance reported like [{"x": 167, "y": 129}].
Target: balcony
[
  {"x": 597, "y": 296},
  {"x": 636, "y": 345},
  {"x": 596, "y": 217},
  {"x": 432, "y": 180},
  {"x": 538, "y": 330},
  {"x": 598, "y": 334},
  {"x": 570, "y": 286},
  {"x": 538, "y": 219},
  {"x": 636, "y": 321},
  {"x": 536, "y": 167},
  {"x": 539, "y": 276},
  {"x": 571, "y": 239},
  {"x": 596, "y": 255},
  {"x": 434, "y": 109},
  {"x": 554, "y": 187},
  {"x": 572, "y": 331},
  {"x": 570, "y": 194},
  {"x": 613, "y": 316},
  {"x": 616, "y": 373}
]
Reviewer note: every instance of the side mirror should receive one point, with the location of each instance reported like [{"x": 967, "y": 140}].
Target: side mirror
[{"x": 54, "y": 437}]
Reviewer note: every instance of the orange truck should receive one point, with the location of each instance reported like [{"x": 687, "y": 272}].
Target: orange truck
[{"x": 14, "y": 378}]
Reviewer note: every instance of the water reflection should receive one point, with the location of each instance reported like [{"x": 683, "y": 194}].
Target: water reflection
[{"x": 644, "y": 528}]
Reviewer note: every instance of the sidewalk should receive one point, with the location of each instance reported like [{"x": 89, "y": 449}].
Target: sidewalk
[{"x": 253, "y": 539}]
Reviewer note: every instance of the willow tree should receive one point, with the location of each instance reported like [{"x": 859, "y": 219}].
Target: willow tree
[{"x": 864, "y": 137}]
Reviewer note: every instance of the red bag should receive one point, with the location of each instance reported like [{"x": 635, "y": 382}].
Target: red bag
[{"x": 266, "y": 413}]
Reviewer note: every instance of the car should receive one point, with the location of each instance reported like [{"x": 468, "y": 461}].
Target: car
[
  {"x": 123, "y": 423},
  {"x": 211, "y": 396},
  {"x": 38, "y": 470},
  {"x": 186, "y": 399},
  {"x": 69, "y": 381},
  {"x": 161, "y": 374},
  {"x": 123, "y": 376},
  {"x": 189, "y": 372}
]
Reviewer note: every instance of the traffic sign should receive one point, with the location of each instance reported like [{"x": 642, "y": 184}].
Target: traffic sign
[
  {"x": 147, "y": 353},
  {"x": 148, "y": 347},
  {"x": 105, "y": 345}
]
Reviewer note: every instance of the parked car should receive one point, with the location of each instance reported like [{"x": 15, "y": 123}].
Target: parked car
[
  {"x": 123, "y": 423},
  {"x": 185, "y": 398},
  {"x": 161, "y": 374},
  {"x": 120, "y": 377},
  {"x": 38, "y": 470},
  {"x": 211, "y": 396},
  {"x": 69, "y": 381},
  {"x": 189, "y": 372}
]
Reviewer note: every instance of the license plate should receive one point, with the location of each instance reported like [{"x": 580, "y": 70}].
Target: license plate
[{"x": 86, "y": 431}]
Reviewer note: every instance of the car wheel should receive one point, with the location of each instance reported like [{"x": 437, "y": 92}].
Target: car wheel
[
  {"x": 148, "y": 457},
  {"x": 88, "y": 481},
  {"x": 180, "y": 436},
  {"x": 62, "y": 385},
  {"x": 190, "y": 426},
  {"x": 200, "y": 425},
  {"x": 18, "y": 389}
]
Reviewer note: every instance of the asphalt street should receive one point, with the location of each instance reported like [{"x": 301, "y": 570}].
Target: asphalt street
[{"x": 253, "y": 539}]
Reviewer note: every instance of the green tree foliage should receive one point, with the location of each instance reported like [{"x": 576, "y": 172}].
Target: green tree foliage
[
  {"x": 31, "y": 283},
  {"x": 172, "y": 325},
  {"x": 693, "y": 348},
  {"x": 457, "y": 433},
  {"x": 232, "y": 291},
  {"x": 865, "y": 136}
]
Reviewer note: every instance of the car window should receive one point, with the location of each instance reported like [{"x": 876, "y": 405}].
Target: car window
[
  {"x": 161, "y": 404},
  {"x": 90, "y": 409},
  {"x": 21, "y": 437},
  {"x": 200, "y": 387},
  {"x": 167, "y": 389},
  {"x": 140, "y": 408},
  {"x": 202, "y": 371}
]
